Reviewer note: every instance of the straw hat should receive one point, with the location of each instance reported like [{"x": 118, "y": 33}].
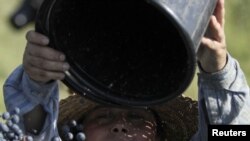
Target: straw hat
[{"x": 179, "y": 117}]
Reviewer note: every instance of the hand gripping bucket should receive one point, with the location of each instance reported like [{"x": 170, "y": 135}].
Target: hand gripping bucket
[{"x": 127, "y": 52}]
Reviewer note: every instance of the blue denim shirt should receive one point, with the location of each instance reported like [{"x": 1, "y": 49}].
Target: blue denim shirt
[{"x": 223, "y": 99}]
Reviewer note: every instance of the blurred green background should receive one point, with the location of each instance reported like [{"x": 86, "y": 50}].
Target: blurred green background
[{"x": 12, "y": 42}]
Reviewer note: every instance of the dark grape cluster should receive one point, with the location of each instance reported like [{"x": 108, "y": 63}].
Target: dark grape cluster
[
  {"x": 9, "y": 129},
  {"x": 72, "y": 131}
]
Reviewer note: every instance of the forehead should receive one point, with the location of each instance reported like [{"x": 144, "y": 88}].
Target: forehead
[
  {"x": 122, "y": 109},
  {"x": 144, "y": 112}
]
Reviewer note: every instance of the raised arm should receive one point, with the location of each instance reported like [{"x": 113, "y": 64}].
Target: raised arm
[
  {"x": 33, "y": 89},
  {"x": 223, "y": 90}
]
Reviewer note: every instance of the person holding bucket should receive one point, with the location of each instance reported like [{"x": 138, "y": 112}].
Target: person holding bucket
[{"x": 223, "y": 96}]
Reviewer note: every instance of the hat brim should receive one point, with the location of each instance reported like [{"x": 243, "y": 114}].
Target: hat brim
[{"x": 179, "y": 117}]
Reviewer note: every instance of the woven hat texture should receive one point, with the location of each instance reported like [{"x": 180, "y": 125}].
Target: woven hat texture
[{"x": 179, "y": 117}]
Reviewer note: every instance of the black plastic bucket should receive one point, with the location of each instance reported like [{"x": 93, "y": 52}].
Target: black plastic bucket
[{"x": 127, "y": 52}]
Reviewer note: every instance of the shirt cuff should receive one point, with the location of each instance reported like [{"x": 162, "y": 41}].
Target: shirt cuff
[
  {"x": 38, "y": 92},
  {"x": 220, "y": 79}
]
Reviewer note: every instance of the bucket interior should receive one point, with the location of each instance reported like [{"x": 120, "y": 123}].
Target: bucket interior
[{"x": 127, "y": 48}]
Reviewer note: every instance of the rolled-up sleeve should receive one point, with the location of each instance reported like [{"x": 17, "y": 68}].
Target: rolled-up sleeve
[
  {"x": 226, "y": 95},
  {"x": 23, "y": 93},
  {"x": 223, "y": 98}
]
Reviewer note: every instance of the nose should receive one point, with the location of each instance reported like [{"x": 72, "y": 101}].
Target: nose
[{"x": 119, "y": 128}]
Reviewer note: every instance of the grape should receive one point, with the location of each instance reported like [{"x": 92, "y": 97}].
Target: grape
[
  {"x": 11, "y": 135},
  {"x": 56, "y": 139},
  {"x": 80, "y": 136},
  {"x": 1, "y": 135},
  {"x": 4, "y": 127},
  {"x": 15, "y": 128},
  {"x": 29, "y": 138},
  {"x": 72, "y": 123},
  {"x": 69, "y": 136},
  {"x": 16, "y": 111},
  {"x": 65, "y": 129},
  {"x": 19, "y": 132},
  {"x": 9, "y": 123},
  {"x": 6, "y": 115},
  {"x": 15, "y": 118}
]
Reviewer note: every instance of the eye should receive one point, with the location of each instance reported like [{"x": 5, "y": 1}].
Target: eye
[
  {"x": 104, "y": 118},
  {"x": 134, "y": 116}
]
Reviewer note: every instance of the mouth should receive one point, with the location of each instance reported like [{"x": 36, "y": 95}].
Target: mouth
[{"x": 123, "y": 138}]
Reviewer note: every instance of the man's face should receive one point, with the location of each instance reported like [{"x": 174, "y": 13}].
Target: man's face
[{"x": 116, "y": 124}]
